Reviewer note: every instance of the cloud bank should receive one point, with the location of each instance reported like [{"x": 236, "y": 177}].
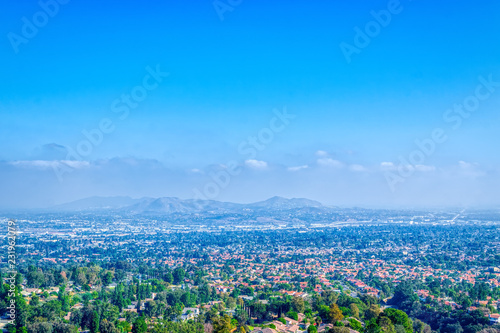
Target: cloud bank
[{"x": 33, "y": 183}]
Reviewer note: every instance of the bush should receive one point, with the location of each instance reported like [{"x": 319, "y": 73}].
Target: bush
[
  {"x": 355, "y": 325},
  {"x": 292, "y": 314},
  {"x": 312, "y": 329}
]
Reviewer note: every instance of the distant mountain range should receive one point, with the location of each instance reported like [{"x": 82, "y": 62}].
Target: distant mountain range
[{"x": 173, "y": 205}]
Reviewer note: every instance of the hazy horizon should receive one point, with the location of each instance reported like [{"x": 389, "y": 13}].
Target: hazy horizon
[{"x": 57, "y": 206}]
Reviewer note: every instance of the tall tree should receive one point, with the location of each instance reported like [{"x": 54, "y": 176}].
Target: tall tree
[
  {"x": 140, "y": 325},
  {"x": 335, "y": 314},
  {"x": 222, "y": 324},
  {"x": 398, "y": 317},
  {"x": 354, "y": 310},
  {"x": 94, "y": 324}
]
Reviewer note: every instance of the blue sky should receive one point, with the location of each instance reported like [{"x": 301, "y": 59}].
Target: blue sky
[{"x": 353, "y": 120}]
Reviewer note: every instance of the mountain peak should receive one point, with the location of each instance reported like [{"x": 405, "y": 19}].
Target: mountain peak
[{"x": 277, "y": 202}]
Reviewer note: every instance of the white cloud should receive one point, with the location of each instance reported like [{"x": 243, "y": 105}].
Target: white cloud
[
  {"x": 330, "y": 162},
  {"x": 298, "y": 168},
  {"x": 42, "y": 164},
  {"x": 321, "y": 153},
  {"x": 256, "y": 164},
  {"x": 456, "y": 183},
  {"x": 357, "y": 168},
  {"x": 387, "y": 165},
  {"x": 425, "y": 168},
  {"x": 419, "y": 167},
  {"x": 466, "y": 165},
  {"x": 470, "y": 169}
]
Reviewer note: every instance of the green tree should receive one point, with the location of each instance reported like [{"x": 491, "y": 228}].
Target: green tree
[
  {"x": 372, "y": 312},
  {"x": 372, "y": 326},
  {"x": 2, "y": 289},
  {"x": 42, "y": 327},
  {"x": 399, "y": 317},
  {"x": 179, "y": 274},
  {"x": 312, "y": 329},
  {"x": 298, "y": 304},
  {"x": 108, "y": 327},
  {"x": 335, "y": 314},
  {"x": 242, "y": 316},
  {"x": 354, "y": 310},
  {"x": 386, "y": 325},
  {"x": 140, "y": 325},
  {"x": 168, "y": 277},
  {"x": 107, "y": 278},
  {"x": 330, "y": 296},
  {"x": 35, "y": 279},
  {"x": 421, "y": 327},
  {"x": 61, "y": 327},
  {"x": 355, "y": 325},
  {"x": 23, "y": 311},
  {"x": 231, "y": 303},
  {"x": 222, "y": 324},
  {"x": 150, "y": 308},
  {"x": 293, "y": 315},
  {"x": 35, "y": 300},
  {"x": 125, "y": 326},
  {"x": 94, "y": 324},
  {"x": 338, "y": 329},
  {"x": 403, "y": 294}
]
